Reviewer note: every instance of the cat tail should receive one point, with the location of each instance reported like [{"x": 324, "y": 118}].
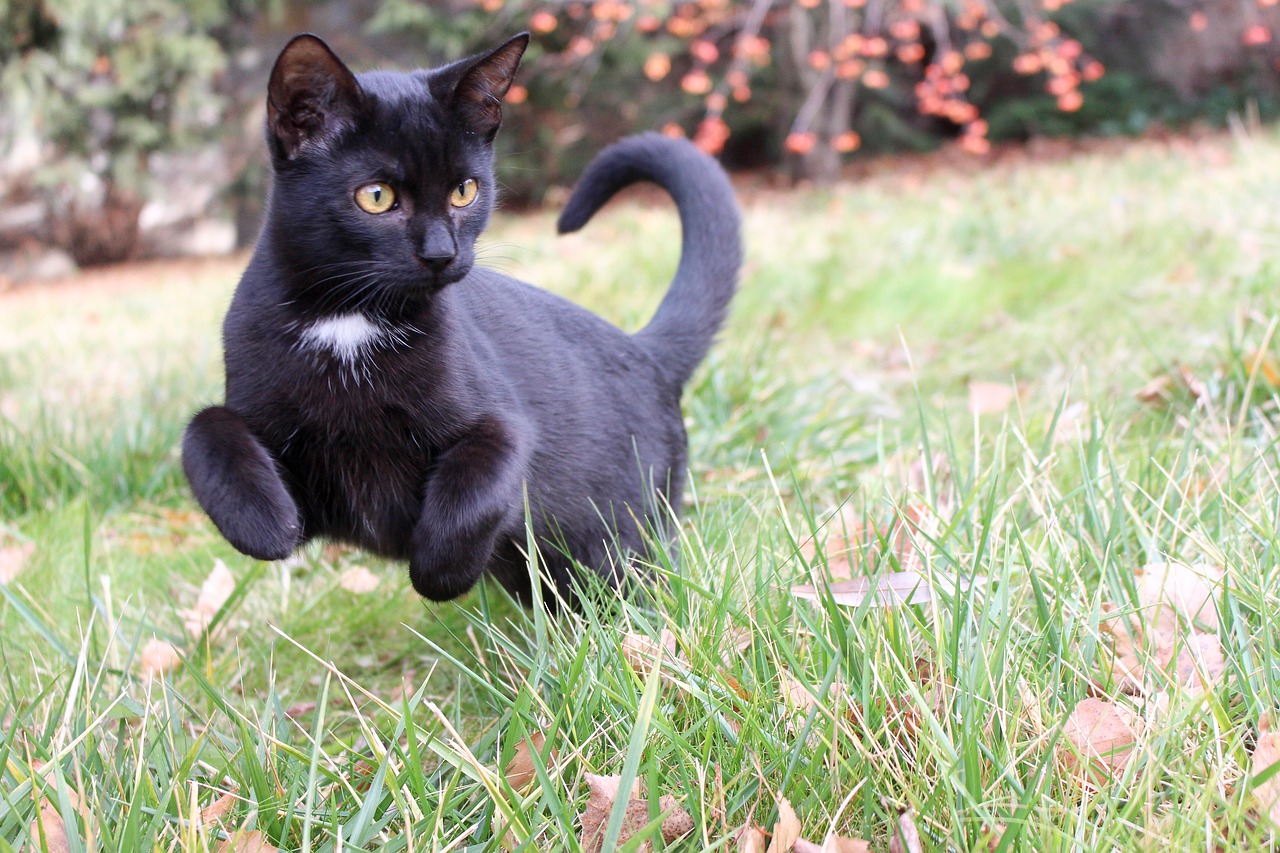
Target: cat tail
[{"x": 686, "y": 322}]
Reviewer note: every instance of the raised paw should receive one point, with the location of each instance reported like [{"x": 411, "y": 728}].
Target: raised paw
[{"x": 238, "y": 484}]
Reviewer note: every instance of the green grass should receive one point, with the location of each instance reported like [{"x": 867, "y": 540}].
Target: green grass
[{"x": 841, "y": 382}]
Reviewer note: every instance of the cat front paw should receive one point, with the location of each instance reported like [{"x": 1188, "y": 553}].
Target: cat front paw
[
  {"x": 237, "y": 482},
  {"x": 445, "y": 567}
]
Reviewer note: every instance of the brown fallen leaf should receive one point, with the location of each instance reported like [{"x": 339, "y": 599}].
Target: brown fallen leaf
[
  {"x": 48, "y": 831},
  {"x": 751, "y": 839},
  {"x": 1138, "y": 648},
  {"x": 1156, "y": 391},
  {"x": 214, "y": 593},
  {"x": 158, "y": 657},
  {"x": 990, "y": 398},
  {"x": 787, "y": 830},
  {"x": 644, "y": 652},
  {"x": 13, "y": 559},
  {"x": 298, "y": 709},
  {"x": 1098, "y": 739},
  {"x": 906, "y": 837},
  {"x": 520, "y": 770},
  {"x": 246, "y": 841},
  {"x": 1190, "y": 590},
  {"x": 359, "y": 580},
  {"x": 894, "y": 589},
  {"x": 840, "y": 844},
  {"x": 219, "y": 807},
  {"x": 1200, "y": 664},
  {"x": 1266, "y": 753},
  {"x": 604, "y": 791}
]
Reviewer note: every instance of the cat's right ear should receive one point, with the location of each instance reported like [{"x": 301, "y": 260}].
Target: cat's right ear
[{"x": 312, "y": 96}]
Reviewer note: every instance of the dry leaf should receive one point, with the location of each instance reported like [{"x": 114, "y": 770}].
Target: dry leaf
[
  {"x": 214, "y": 592},
  {"x": 787, "y": 830},
  {"x": 644, "y": 652},
  {"x": 1071, "y": 423},
  {"x": 1102, "y": 734},
  {"x": 604, "y": 792},
  {"x": 298, "y": 709},
  {"x": 840, "y": 844},
  {"x": 1156, "y": 390},
  {"x": 1263, "y": 364},
  {"x": 520, "y": 770},
  {"x": 49, "y": 826},
  {"x": 158, "y": 657},
  {"x": 893, "y": 589},
  {"x": 906, "y": 837},
  {"x": 13, "y": 559},
  {"x": 1189, "y": 589},
  {"x": 246, "y": 841},
  {"x": 1266, "y": 752},
  {"x": 219, "y": 807},
  {"x": 990, "y": 398},
  {"x": 1138, "y": 648},
  {"x": 1200, "y": 665},
  {"x": 359, "y": 580},
  {"x": 751, "y": 839}
]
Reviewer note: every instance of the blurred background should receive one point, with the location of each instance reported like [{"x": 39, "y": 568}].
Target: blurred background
[{"x": 132, "y": 128}]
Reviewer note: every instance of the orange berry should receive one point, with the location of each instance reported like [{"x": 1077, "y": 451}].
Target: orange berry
[
  {"x": 657, "y": 66},
  {"x": 847, "y": 142},
  {"x": 1256, "y": 35},
  {"x": 696, "y": 82},
  {"x": 1071, "y": 101},
  {"x": 875, "y": 79},
  {"x": 910, "y": 54},
  {"x": 800, "y": 143},
  {"x": 978, "y": 50},
  {"x": 517, "y": 94}
]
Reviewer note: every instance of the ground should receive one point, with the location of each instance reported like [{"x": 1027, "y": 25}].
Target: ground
[{"x": 1044, "y": 384}]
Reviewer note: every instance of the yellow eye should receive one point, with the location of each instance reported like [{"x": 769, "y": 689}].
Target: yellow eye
[
  {"x": 375, "y": 198},
  {"x": 464, "y": 193}
]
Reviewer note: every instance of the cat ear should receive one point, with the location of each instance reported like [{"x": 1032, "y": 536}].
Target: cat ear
[
  {"x": 478, "y": 95},
  {"x": 312, "y": 96}
]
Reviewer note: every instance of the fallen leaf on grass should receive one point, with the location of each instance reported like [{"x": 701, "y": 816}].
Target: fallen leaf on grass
[
  {"x": 520, "y": 770},
  {"x": 246, "y": 841},
  {"x": 13, "y": 559},
  {"x": 1190, "y": 590},
  {"x": 1200, "y": 664},
  {"x": 158, "y": 657},
  {"x": 359, "y": 580},
  {"x": 219, "y": 807},
  {"x": 214, "y": 592},
  {"x": 604, "y": 790},
  {"x": 644, "y": 652},
  {"x": 48, "y": 831},
  {"x": 787, "y": 830},
  {"x": 990, "y": 398},
  {"x": 906, "y": 837},
  {"x": 894, "y": 589},
  {"x": 1098, "y": 739},
  {"x": 1266, "y": 753},
  {"x": 751, "y": 839},
  {"x": 1156, "y": 390}
]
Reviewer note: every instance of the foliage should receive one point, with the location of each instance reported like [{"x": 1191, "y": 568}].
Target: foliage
[{"x": 105, "y": 84}]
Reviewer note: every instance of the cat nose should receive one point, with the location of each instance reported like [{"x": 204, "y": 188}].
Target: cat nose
[
  {"x": 438, "y": 248},
  {"x": 436, "y": 263}
]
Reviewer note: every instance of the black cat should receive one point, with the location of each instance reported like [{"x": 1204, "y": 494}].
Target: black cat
[{"x": 384, "y": 391}]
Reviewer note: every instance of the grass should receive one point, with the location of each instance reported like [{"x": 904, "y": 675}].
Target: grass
[{"x": 338, "y": 720}]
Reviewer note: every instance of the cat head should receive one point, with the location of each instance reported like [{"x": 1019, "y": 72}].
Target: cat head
[{"x": 382, "y": 180}]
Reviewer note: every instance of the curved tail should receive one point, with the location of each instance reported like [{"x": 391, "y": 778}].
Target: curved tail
[{"x": 691, "y": 313}]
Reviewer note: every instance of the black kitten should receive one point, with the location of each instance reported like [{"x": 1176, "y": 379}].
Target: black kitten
[{"x": 384, "y": 391}]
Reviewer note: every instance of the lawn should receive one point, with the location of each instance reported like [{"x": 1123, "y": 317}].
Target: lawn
[{"x": 1032, "y": 383}]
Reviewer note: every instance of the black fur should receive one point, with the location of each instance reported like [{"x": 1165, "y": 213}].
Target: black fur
[{"x": 478, "y": 390}]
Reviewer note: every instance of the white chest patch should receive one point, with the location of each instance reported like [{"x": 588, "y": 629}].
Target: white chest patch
[{"x": 347, "y": 337}]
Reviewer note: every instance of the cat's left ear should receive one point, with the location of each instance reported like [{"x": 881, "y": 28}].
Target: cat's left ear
[{"x": 478, "y": 95}]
